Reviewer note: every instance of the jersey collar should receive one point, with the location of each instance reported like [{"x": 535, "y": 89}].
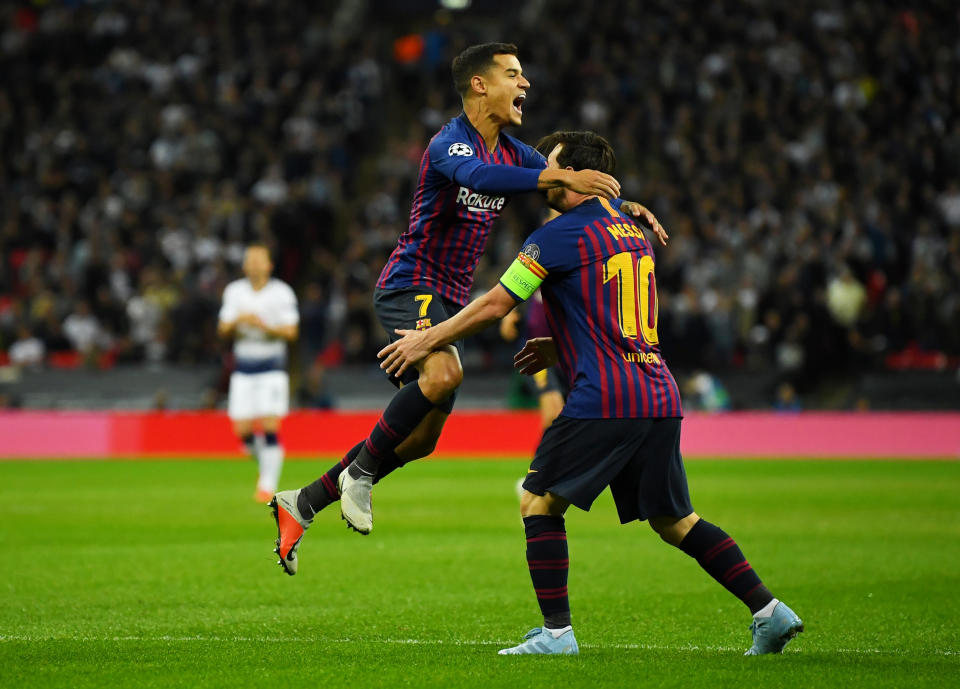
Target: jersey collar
[{"x": 476, "y": 132}]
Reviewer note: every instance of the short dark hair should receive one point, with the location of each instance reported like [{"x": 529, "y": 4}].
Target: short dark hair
[
  {"x": 476, "y": 59},
  {"x": 581, "y": 151}
]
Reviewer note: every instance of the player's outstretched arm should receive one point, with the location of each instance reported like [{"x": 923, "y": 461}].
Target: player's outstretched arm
[{"x": 415, "y": 345}]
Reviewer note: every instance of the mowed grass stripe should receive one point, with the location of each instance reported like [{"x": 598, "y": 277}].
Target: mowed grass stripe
[
  {"x": 160, "y": 574},
  {"x": 440, "y": 642}
]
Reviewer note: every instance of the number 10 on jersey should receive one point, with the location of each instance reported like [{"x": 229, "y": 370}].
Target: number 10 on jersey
[{"x": 637, "y": 292}]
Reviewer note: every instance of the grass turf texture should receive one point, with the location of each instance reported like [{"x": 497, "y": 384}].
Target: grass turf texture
[{"x": 160, "y": 574}]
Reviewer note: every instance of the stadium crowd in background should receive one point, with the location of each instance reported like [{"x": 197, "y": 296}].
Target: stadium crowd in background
[{"x": 804, "y": 157}]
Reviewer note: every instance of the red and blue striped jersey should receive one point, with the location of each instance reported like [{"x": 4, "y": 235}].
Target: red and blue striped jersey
[
  {"x": 461, "y": 189},
  {"x": 600, "y": 297}
]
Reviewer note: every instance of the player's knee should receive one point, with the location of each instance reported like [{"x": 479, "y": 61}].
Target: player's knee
[
  {"x": 441, "y": 381},
  {"x": 527, "y": 504},
  {"x": 661, "y": 527},
  {"x": 673, "y": 529},
  {"x": 451, "y": 376},
  {"x": 532, "y": 504}
]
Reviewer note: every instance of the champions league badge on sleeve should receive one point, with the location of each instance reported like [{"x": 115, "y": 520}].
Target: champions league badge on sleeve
[{"x": 459, "y": 150}]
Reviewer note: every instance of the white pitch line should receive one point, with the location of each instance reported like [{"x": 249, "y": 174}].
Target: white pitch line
[{"x": 436, "y": 642}]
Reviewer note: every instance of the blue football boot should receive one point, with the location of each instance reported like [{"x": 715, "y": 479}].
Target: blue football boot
[
  {"x": 771, "y": 634},
  {"x": 540, "y": 641}
]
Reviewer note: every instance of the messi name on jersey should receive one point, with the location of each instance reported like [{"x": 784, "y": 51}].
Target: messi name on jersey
[{"x": 477, "y": 203}]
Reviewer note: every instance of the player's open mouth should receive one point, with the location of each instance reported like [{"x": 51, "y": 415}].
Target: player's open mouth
[{"x": 518, "y": 102}]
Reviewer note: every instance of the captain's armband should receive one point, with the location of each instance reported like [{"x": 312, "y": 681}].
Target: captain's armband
[{"x": 523, "y": 277}]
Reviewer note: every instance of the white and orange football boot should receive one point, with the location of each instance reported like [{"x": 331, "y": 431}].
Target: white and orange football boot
[{"x": 291, "y": 526}]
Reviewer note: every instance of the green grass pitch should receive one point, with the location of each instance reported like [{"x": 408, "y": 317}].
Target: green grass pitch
[{"x": 159, "y": 574}]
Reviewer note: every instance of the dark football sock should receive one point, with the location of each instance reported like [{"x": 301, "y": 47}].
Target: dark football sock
[
  {"x": 722, "y": 559},
  {"x": 548, "y": 563},
  {"x": 404, "y": 413},
  {"x": 250, "y": 443},
  {"x": 389, "y": 464},
  {"x": 366, "y": 464},
  {"x": 323, "y": 491}
]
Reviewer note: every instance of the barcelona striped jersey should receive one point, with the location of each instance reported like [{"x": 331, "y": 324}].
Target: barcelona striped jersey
[
  {"x": 461, "y": 189},
  {"x": 595, "y": 270}
]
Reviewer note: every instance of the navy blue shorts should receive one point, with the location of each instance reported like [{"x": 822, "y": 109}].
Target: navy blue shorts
[
  {"x": 412, "y": 308},
  {"x": 638, "y": 458}
]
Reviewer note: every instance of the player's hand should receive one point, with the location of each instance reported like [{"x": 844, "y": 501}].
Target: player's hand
[
  {"x": 510, "y": 326},
  {"x": 638, "y": 210},
  {"x": 251, "y": 319},
  {"x": 592, "y": 183},
  {"x": 401, "y": 354},
  {"x": 536, "y": 355}
]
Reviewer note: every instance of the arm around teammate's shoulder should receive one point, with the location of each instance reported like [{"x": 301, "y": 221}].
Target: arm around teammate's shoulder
[
  {"x": 459, "y": 163},
  {"x": 590, "y": 182}
]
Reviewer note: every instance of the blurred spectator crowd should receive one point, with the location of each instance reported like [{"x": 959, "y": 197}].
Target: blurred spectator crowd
[{"x": 803, "y": 156}]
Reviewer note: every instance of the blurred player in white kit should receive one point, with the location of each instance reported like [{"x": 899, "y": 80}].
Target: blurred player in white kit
[{"x": 260, "y": 313}]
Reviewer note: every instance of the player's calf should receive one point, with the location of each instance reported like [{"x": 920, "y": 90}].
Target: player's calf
[
  {"x": 774, "y": 624},
  {"x": 271, "y": 464},
  {"x": 720, "y": 556},
  {"x": 421, "y": 443}
]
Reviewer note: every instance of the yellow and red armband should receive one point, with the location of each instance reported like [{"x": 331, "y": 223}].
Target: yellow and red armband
[{"x": 523, "y": 277}]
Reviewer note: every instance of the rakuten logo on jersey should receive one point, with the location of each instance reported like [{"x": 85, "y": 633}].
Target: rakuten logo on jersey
[{"x": 479, "y": 203}]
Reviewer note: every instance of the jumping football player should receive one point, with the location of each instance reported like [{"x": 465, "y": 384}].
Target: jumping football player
[{"x": 466, "y": 174}]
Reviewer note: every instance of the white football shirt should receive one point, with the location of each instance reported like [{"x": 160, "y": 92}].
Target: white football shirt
[{"x": 275, "y": 304}]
